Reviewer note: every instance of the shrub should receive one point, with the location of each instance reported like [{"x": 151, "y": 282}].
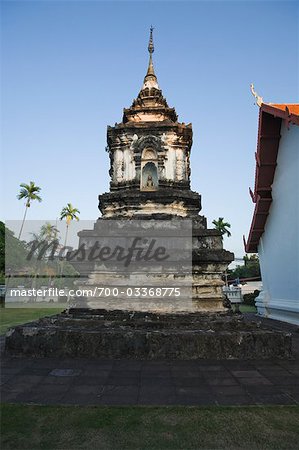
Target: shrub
[{"x": 249, "y": 299}]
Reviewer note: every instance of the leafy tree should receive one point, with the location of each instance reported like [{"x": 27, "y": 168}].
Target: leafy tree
[
  {"x": 251, "y": 268},
  {"x": 15, "y": 252},
  {"x": 252, "y": 265},
  {"x": 249, "y": 299},
  {"x": 222, "y": 226},
  {"x": 30, "y": 193}
]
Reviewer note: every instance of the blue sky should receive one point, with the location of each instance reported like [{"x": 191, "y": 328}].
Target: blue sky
[{"x": 70, "y": 67}]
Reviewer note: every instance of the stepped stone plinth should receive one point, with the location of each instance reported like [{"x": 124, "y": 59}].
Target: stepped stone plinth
[{"x": 139, "y": 335}]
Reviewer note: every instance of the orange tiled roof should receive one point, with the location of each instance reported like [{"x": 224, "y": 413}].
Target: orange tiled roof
[{"x": 292, "y": 107}]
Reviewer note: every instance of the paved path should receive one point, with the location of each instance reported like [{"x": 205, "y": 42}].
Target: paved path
[{"x": 126, "y": 382}]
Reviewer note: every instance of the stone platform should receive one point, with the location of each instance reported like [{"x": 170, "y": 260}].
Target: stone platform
[{"x": 138, "y": 335}]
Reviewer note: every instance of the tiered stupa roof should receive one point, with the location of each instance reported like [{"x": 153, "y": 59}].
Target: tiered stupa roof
[{"x": 150, "y": 105}]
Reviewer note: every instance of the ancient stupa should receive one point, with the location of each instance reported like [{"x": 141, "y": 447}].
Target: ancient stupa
[{"x": 150, "y": 180}]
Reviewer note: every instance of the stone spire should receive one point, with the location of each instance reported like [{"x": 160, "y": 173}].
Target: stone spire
[
  {"x": 150, "y": 79},
  {"x": 150, "y": 105},
  {"x": 151, "y": 49}
]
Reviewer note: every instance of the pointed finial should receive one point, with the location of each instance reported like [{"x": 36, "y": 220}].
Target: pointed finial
[
  {"x": 151, "y": 47},
  {"x": 259, "y": 99},
  {"x": 150, "y": 70}
]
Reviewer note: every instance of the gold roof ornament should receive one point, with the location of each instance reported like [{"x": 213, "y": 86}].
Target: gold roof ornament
[{"x": 259, "y": 100}]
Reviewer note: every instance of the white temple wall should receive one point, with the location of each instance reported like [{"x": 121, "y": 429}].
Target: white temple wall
[{"x": 279, "y": 245}]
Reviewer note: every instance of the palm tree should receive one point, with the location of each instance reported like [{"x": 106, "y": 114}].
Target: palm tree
[
  {"x": 29, "y": 192},
  {"x": 69, "y": 213},
  {"x": 222, "y": 226},
  {"x": 49, "y": 232}
]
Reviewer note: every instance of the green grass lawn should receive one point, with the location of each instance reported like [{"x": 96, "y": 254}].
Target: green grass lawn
[
  {"x": 16, "y": 316},
  {"x": 149, "y": 428},
  {"x": 247, "y": 308}
]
